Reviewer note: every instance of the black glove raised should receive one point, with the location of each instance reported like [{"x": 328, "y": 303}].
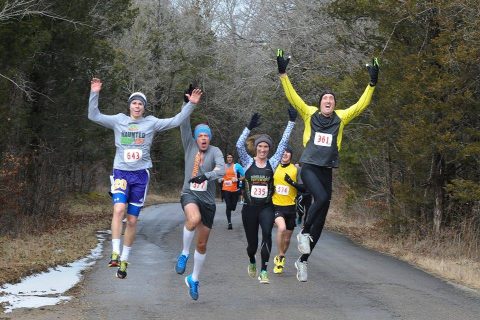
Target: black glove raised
[
  {"x": 254, "y": 121},
  {"x": 282, "y": 63},
  {"x": 189, "y": 92},
  {"x": 373, "y": 71},
  {"x": 198, "y": 179},
  {"x": 292, "y": 113},
  {"x": 288, "y": 179}
]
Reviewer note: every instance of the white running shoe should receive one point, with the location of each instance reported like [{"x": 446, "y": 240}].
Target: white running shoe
[
  {"x": 302, "y": 274},
  {"x": 304, "y": 240}
]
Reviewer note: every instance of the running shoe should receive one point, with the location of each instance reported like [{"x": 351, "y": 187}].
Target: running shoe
[
  {"x": 304, "y": 240},
  {"x": 279, "y": 264},
  {"x": 193, "y": 287},
  {"x": 230, "y": 226},
  {"x": 114, "y": 260},
  {"x": 263, "y": 277},
  {"x": 122, "y": 270},
  {"x": 181, "y": 264},
  {"x": 302, "y": 274},
  {"x": 252, "y": 270}
]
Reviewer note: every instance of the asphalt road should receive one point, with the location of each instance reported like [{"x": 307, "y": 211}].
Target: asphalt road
[{"x": 345, "y": 281}]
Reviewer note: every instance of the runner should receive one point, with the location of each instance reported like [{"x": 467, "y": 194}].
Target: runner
[
  {"x": 133, "y": 140},
  {"x": 258, "y": 208},
  {"x": 230, "y": 186},
  {"x": 203, "y": 165},
  {"x": 285, "y": 191},
  {"x": 322, "y": 139},
  {"x": 241, "y": 188}
]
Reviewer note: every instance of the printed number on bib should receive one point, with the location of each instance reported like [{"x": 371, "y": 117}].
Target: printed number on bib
[
  {"x": 323, "y": 139},
  {"x": 259, "y": 191},
  {"x": 198, "y": 187},
  {"x": 228, "y": 183},
  {"x": 282, "y": 190},
  {"x": 132, "y": 155}
]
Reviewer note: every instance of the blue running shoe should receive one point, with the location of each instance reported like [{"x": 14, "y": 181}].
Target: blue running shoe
[
  {"x": 181, "y": 264},
  {"x": 193, "y": 285}
]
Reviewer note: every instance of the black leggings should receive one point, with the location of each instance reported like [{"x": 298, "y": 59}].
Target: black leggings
[
  {"x": 231, "y": 199},
  {"x": 318, "y": 181},
  {"x": 252, "y": 217}
]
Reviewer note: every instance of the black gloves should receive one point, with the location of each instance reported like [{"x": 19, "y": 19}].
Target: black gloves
[
  {"x": 288, "y": 179},
  {"x": 254, "y": 121},
  {"x": 282, "y": 63},
  {"x": 292, "y": 113},
  {"x": 294, "y": 184},
  {"x": 198, "y": 179},
  {"x": 373, "y": 71},
  {"x": 189, "y": 92}
]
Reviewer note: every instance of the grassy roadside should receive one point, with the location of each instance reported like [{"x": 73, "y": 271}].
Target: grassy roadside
[
  {"x": 443, "y": 258},
  {"x": 67, "y": 241}
]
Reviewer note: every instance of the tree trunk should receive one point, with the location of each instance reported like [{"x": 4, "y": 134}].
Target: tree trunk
[{"x": 438, "y": 169}]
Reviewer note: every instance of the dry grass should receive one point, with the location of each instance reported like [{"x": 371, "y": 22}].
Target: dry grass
[
  {"x": 68, "y": 240},
  {"x": 444, "y": 258}
]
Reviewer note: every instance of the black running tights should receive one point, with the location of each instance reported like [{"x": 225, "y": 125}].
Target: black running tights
[
  {"x": 231, "y": 199},
  {"x": 252, "y": 218},
  {"x": 318, "y": 181}
]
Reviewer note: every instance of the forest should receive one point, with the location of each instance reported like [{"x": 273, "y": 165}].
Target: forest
[{"x": 412, "y": 158}]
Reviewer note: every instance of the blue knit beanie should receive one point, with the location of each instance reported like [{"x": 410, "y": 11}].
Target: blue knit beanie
[{"x": 202, "y": 128}]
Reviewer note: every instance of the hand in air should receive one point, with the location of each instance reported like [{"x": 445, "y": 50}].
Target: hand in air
[
  {"x": 254, "y": 121},
  {"x": 373, "y": 71},
  {"x": 195, "y": 96},
  {"x": 95, "y": 85},
  {"x": 282, "y": 63}
]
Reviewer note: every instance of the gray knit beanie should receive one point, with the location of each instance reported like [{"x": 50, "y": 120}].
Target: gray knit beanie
[
  {"x": 264, "y": 138},
  {"x": 138, "y": 96}
]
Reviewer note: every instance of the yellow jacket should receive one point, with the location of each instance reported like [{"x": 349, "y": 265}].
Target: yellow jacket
[{"x": 307, "y": 111}]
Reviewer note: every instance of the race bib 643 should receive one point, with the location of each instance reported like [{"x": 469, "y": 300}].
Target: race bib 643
[{"x": 132, "y": 155}]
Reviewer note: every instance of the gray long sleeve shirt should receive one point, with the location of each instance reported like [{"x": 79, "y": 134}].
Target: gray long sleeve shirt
[
  {"x": 133, "y": 137},
  {"x": 213, "y": 165}
]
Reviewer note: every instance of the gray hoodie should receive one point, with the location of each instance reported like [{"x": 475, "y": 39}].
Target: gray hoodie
[{"x": 213, "y": 165}]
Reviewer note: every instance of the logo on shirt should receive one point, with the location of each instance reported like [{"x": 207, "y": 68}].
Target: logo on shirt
[{"x": 132, "y": 136}]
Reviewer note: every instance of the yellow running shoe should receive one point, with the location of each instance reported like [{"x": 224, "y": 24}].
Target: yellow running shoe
[
  {"x": 279, "y": 264},
  {"x": 122, "y": 270},
  {"x": 114, "y": 260}
]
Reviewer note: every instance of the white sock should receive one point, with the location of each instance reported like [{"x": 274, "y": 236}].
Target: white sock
[
  {"x": 125, "y": 253},
  {"x": 198, "y": 260},
  {"x": 187, "y": 240},
  {"x": 116, "y": 245}
]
